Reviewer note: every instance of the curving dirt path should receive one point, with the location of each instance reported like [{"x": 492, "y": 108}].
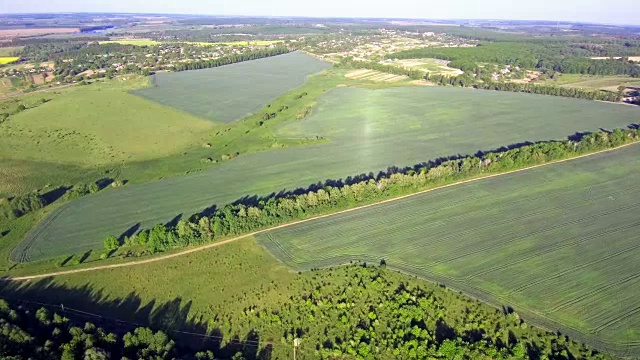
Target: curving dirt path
[{"x": 224, "y": 242}]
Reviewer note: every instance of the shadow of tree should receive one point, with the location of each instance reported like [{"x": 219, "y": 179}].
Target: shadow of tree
[{"x": 121, "y": 315}]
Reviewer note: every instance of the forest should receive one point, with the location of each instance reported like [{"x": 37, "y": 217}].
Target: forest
[
  {"x": 562, "y": 56},
  {"x": 357, "y": 311},
  {"x": 253, "y": 214}
]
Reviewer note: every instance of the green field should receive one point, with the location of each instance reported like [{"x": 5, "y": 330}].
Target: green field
[
  {"x": 609, "y": 83},
  {"x": 8, "y": 59},
  {"x": 231, "y": 92},
  {"x": 9, "y": 51},
  {"x": 558, "y": 243},
  {"x": 368, "y": 130},
  {"x": 84, "y": 128}
]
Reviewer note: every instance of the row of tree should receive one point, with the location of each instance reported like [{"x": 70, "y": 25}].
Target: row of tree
[
  {"x": 231, "y": 59},
  {"x": 245, "y": 217},
  {"x": 557, "y": 56}
]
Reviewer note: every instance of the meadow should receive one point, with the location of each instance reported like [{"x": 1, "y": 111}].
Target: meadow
[
  {"x": 368, "y": 131},
  {"x": 232, "y": 92},
  {"x": 559, "y": 244},
  {"x": 85, "y": 128}
]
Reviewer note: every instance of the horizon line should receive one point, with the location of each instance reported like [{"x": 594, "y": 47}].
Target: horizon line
[{"x": 318, "y": 17}]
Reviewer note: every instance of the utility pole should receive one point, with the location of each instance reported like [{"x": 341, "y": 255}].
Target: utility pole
[{"x": 296, "y": 342}]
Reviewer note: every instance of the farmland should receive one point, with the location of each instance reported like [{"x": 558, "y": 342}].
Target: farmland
[
  {"x": 234, "y": 91},
  {"x": 557, "y": 243},
  {"x": 91, "y": 130},
  {"x": 433, "y": 66},
  {"x": 8, "y": 59},
  {"x": 368, "y": 130}
]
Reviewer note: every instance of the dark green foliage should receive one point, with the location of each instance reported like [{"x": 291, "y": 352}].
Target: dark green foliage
[
  {"x": 350, "y": 312},
  {"x": 557, "y": 56},
  {"x": 243, "y": 218},
  {"x": 45, "y": 335},
  {"x": 111, "y": 243},
  {"x": 21, "y": 205},
  {"x": 82, "y": 189}
]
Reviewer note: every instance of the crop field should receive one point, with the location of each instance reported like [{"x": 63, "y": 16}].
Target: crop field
[
  {"x": 560, "y": 243},
  {"x": 94, "y": 125},
  {"x": 231, "y": 92},
  {"x": 609, "y": 83},
  {"x": 433, "y": 66},
  {"x": 373, "y": 75},
  {"x": 8, "y": 59},
  {"x": 368, "y": 130}
]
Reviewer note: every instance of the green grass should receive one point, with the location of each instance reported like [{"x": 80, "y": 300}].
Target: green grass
[
  {"x": 87, "y": 129},
  {"x": 368, "y": 130},
  {"x": 610, "y": 83},
  {"x": 231, "y": 92},
  {"x": 433, "y": 66},
  {"x": 558, "y": 243},
  {"x": 97, "y": 125},
  {"x": 9, "y": 51},
  {"x": 8, "y": 59}
]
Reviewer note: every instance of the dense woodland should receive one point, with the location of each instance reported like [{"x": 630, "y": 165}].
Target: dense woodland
[
  {"x": 563, "y": 57},
  {"x": 350, "y": 312},
  {"x": 250, "y": 215},
  {"x": 27, "y": 333}
]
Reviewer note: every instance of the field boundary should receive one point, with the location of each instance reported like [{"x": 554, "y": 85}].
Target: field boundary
[{"x": 224, "y": 242}]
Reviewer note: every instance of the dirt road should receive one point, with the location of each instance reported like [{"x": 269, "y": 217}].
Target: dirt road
[{"x": 224, "y": 242}]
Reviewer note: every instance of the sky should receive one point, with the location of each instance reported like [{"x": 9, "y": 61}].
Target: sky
[{"x": 598, "y": 11}]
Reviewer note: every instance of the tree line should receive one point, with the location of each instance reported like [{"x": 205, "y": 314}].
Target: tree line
[
  {"x": 557, "y": 56},
  {"x": 231, "y": 59},
  {"x": 240, "y": 218}
]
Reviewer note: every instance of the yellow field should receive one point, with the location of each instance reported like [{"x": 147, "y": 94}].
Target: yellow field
[{"x": 8, "y": 59}]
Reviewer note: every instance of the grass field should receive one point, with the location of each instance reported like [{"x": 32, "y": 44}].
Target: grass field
[
  {"x": 373, "y": 75},
  {"x": 609, "y": 83},
  {"x": 8, "y": 59},
  {"x": 100, "y": 125},
  {"x": 231, "y": 92},
  {"x": 433, "y": 66},
  {"x": 9, "y": 51},
  {"x": 368, "y": 130},
  {"x": 560, "y": 243}
]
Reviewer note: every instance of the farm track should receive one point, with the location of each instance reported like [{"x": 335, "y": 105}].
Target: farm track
[{"x": 224, "y": 242}]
